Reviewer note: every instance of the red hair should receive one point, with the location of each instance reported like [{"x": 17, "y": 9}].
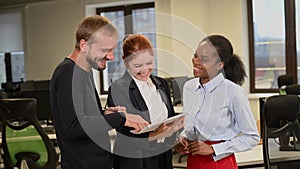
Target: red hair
[{"x": 135, "y": 43}]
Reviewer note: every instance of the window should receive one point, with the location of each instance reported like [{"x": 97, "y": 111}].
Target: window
[
  {"x": 17, "y": 66},
  {"x": 12, "y": 67},
  {"x": 135, "y": 18},
  {"x": 272, "y": 39},
  {"x": 11, "y": 46},
  {"x": 2, "y": 68}
]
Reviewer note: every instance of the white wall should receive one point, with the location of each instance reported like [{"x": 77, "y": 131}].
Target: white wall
[
  {"x": 192, "y": 21},
  {"x": 196, "y": 19},
  {"x": 50, "y": 28},
  {"x": 180, "y": 27}
]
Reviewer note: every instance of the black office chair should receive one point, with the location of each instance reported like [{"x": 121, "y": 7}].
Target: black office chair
[
  {"x": 275, "y": 110},
  {"x": 43, "y": 110},
  {"x": 177, "y": 87},
  {"x": 293, "y": 89},
  {"x": 169, "y": 80},
  {"x": 23, "y": 138},
  {"x": 283, "y": 81}
]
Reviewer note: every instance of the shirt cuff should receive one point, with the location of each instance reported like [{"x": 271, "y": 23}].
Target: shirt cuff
[
  {"x": 219, "y": 157},
  {"x": 219, "y": 153}
]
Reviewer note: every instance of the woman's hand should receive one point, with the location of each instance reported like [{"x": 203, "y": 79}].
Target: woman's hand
[
  {"x": 158, "y": 133},
  {"x": 182, "y": 146},
  {"x": 166, "y": 129},
  {"x": 176, "y": 125},
  {"x": 201, "y": 148}
]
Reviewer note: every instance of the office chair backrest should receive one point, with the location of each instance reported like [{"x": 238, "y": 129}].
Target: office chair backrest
[
  {"x": 284, "y": 80},
  {"x": 43, "y": 109},
  {"x": 280, "y": 118},
  {"x": 281, "y": 107},
  {"x": 169, "y": 80},
  {"x": 293, "y": 89},
  {"x": 177, "y": 87},
  {"x": 22, "y": 136}
]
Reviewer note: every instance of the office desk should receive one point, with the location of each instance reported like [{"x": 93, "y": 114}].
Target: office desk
[
  {"x": 254, "y": 157},
  {"x": 178, "y": 109}
]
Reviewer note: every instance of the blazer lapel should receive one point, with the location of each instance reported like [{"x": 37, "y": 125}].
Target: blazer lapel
[{"x": 136, "y": 98}]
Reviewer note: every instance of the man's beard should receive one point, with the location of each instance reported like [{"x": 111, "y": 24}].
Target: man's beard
[{"x": 94, "y": 64}]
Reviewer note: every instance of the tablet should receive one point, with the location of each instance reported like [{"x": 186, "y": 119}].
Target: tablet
[{"x": 154, "y": 126}]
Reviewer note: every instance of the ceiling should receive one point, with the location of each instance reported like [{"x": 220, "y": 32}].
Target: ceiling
[
  {"x": 12, "y": 3},
  {"x": 4, "y": 3}
]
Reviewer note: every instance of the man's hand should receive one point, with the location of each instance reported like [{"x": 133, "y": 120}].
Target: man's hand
[
  {"x": 135, "y": 121},
  {"x": 115, "y": 109}
]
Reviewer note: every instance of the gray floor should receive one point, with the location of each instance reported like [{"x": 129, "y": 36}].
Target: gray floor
[{"x": 176, "y": 163}]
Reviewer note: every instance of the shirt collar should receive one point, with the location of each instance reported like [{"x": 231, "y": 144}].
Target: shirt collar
[
  {"x": 212, "y": 84},
  {"x": 196, "y": 84},
  {"x": 141, "y": 83}
]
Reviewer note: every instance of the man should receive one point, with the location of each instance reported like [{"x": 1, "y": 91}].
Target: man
[{"x": 81, "y": 124}]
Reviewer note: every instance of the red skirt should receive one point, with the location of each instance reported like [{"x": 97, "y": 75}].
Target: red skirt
[{"x": 207, "y": 161}]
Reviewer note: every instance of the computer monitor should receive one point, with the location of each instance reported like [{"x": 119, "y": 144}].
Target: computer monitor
[
  {"x": 35, "y": 85},
  {"x": 27, "y": 85},
  {"x": 11, "y": 86},
  {"x": 41, "y": 84},
  {"x": 43, "y": 112}
]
